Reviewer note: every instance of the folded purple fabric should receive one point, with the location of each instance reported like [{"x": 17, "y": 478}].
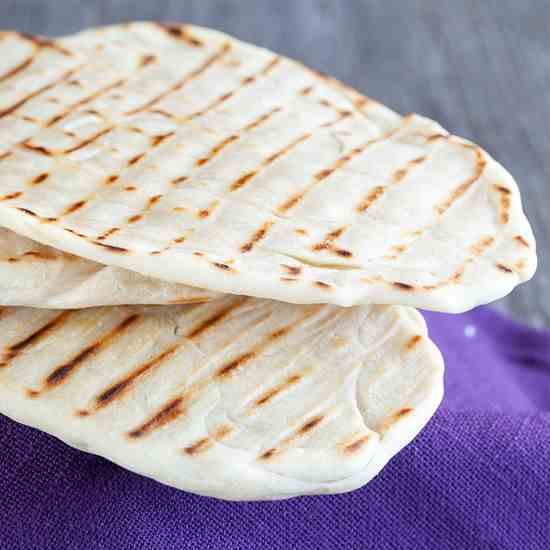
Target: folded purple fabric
[{"x": 477, "y": 477}]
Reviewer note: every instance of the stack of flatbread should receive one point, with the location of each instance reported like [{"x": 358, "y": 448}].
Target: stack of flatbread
[{"x": 210, "y": 255}]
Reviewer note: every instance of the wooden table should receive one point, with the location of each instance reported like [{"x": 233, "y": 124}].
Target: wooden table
[{"x": 479, "y": 67}]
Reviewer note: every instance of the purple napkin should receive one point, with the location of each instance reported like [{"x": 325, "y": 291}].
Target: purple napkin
[{"x": 477, "y": 477}]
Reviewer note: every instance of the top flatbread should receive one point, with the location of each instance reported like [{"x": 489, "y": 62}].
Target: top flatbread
[{"x": 186, "y": 155}]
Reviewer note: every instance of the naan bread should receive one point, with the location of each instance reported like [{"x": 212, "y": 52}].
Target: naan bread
[
  {"x": 35, "y": 275},
  {"x": 239, "y": 398},
  {"x": 186, "y": 155}
]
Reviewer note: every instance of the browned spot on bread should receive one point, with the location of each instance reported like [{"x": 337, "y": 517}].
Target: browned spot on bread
[
  {"x": 289, "y": 279},
  {"x": 157, "y": 140},
  {"x": 180, "y": 32},
  {"x": 13, "y": 260},
  {"x": 268, "y": 454},
  {"x": 521, "y": 264},
  {"x": 82, "y": 413},
  {"x": 306, "y": 91},
  {"x": 5, "y": 155},
  {"x": 111, "y": 248},
  {"x": 321, "y": 284},
  {"x": 164, "y": 416},
  {"x": 39, "y": 255},
  {"x": 258, "y": 236},
  {"x": 179, "y": 240},
  {"x": 310, "y": 424},
  {"x": 248, "y": 80},
  {"x": 37, "y": 180},
  {"x": 74, "y": 207},
  {"x": 183, "y": 82},
  {"x": 136, "y": 218},
  {"x": 481, "y": 162},
  {"x": 482, "y": 245},
  {"x": 17, "y": 69},
  {"x": 292, "y": 269},
  {"x": 522, "y": 241},
  {"x": 413, "y": 342},
  {"x": 504, "y": 268},
  {"x": 11, "y": 196},
  {"x": 270, "y": 394},
  {"x": 403, "y": 412},
  {"x": 11, "y": 109},
  {"x": 43, "y": 42},
  {"x": 72, "y": 231},
  {"x": 371, "y": 198},
  {"x": 356, "y": 445},
  {"x": 217, "y": 149},
  {"x": 37, "y": 335},
  {"x": 271, "y": 65},
  {"x": 147, "y": 59},
  {"x": 198, "y": 254},
  {"x": 222, "y": 431},
  {"x": 130, "y": 188},
  {"x": 403, "y": 286}
]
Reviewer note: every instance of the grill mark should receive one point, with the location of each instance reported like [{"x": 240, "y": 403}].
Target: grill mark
[
  {"x": 258, "y": 236},
  {"x": 74, "y": 207},
  {"x": 118, "y": 389},
  {"x": 371, "y": 198},
  {"x": 17, "y": 69},
  {"x": 111, "y": 248},
  {"x": 403, "y": 286},
  {"x": 211, "y": 322},
  {"x": 292, "y": 269},
  {"x": 41, "y": 178},
  {"x": 217, "y": 149},
  {"x": 179, "y": 180},
  {"x": 205, "y": 212},
  {"x": 244, "y": 179},
  {"x": 184, "y": 81},
  {"x": 61, "y": 373},
  {"x": 36, "y": 148},
  {"x": 322, "y": 285},
  {"x": 270, "y": 394},
  {"x": 261, "y": 119},
  {"x": 152, "y": 201},
  {"x": 5, "y": 155},
  {"x": 136, "y": 159},
  {"x": 11, "y": 196},
  {"x": 221, "y": 266},
  {"x": 301, "y": 431},
  {"x": 134, "y": 219},
  {"x": 167, "y": 414},
  {"x": 233, "y": 365},
  {"x": 356, "y": 445},
  {"x": 84, "y": 101},
  {"x": 147, "y": 59},
  {"x": 413, "y": 342},
  {"x": 207, "y": 442},
  {"x": 42, "y": 42},
  {"x": 15, "y": 349},
  {"x": 321, "y": 175},
  {"x": 112, "y": 179},
  {"x": 504, "y": 268},
  {"x": 13, "y": 108},
  {"x": 328, "y": 243},
  {"x": 482, "y": 245},
  {"x": 108, "y": 233},
  {"x": 401, "y": 174},
  {"x": 463, "y": 187},
  {"x": 505, "y": 202},
  {"x": 88, "y": 141},
  {"x": 181, "y": 33},
  {"x": 522, "y": 241},
  {"x": 27, "y": 211},
  {"x": 157, "y": 140}
]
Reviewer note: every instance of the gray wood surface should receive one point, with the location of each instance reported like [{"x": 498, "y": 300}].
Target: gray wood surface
[{"x": 479, "y": 67}]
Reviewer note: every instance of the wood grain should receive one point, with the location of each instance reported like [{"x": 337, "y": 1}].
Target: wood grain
[{"x": 482, "y": 69}]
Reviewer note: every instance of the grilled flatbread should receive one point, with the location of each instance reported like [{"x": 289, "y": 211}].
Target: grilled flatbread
[
  {"x": 35, "y": 275},
  {"x": 186, "y": 155},
  {"x": 239, "y": 398}
]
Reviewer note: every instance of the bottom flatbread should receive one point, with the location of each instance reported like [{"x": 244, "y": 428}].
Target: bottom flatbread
[{"x": 238, "y": 399}]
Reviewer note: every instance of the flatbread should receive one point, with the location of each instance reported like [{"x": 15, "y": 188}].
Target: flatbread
[
  {"x": 35, "y": 275},
  {"x": 186, "y": 155},
  {"x": 239, "y": 398}
]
